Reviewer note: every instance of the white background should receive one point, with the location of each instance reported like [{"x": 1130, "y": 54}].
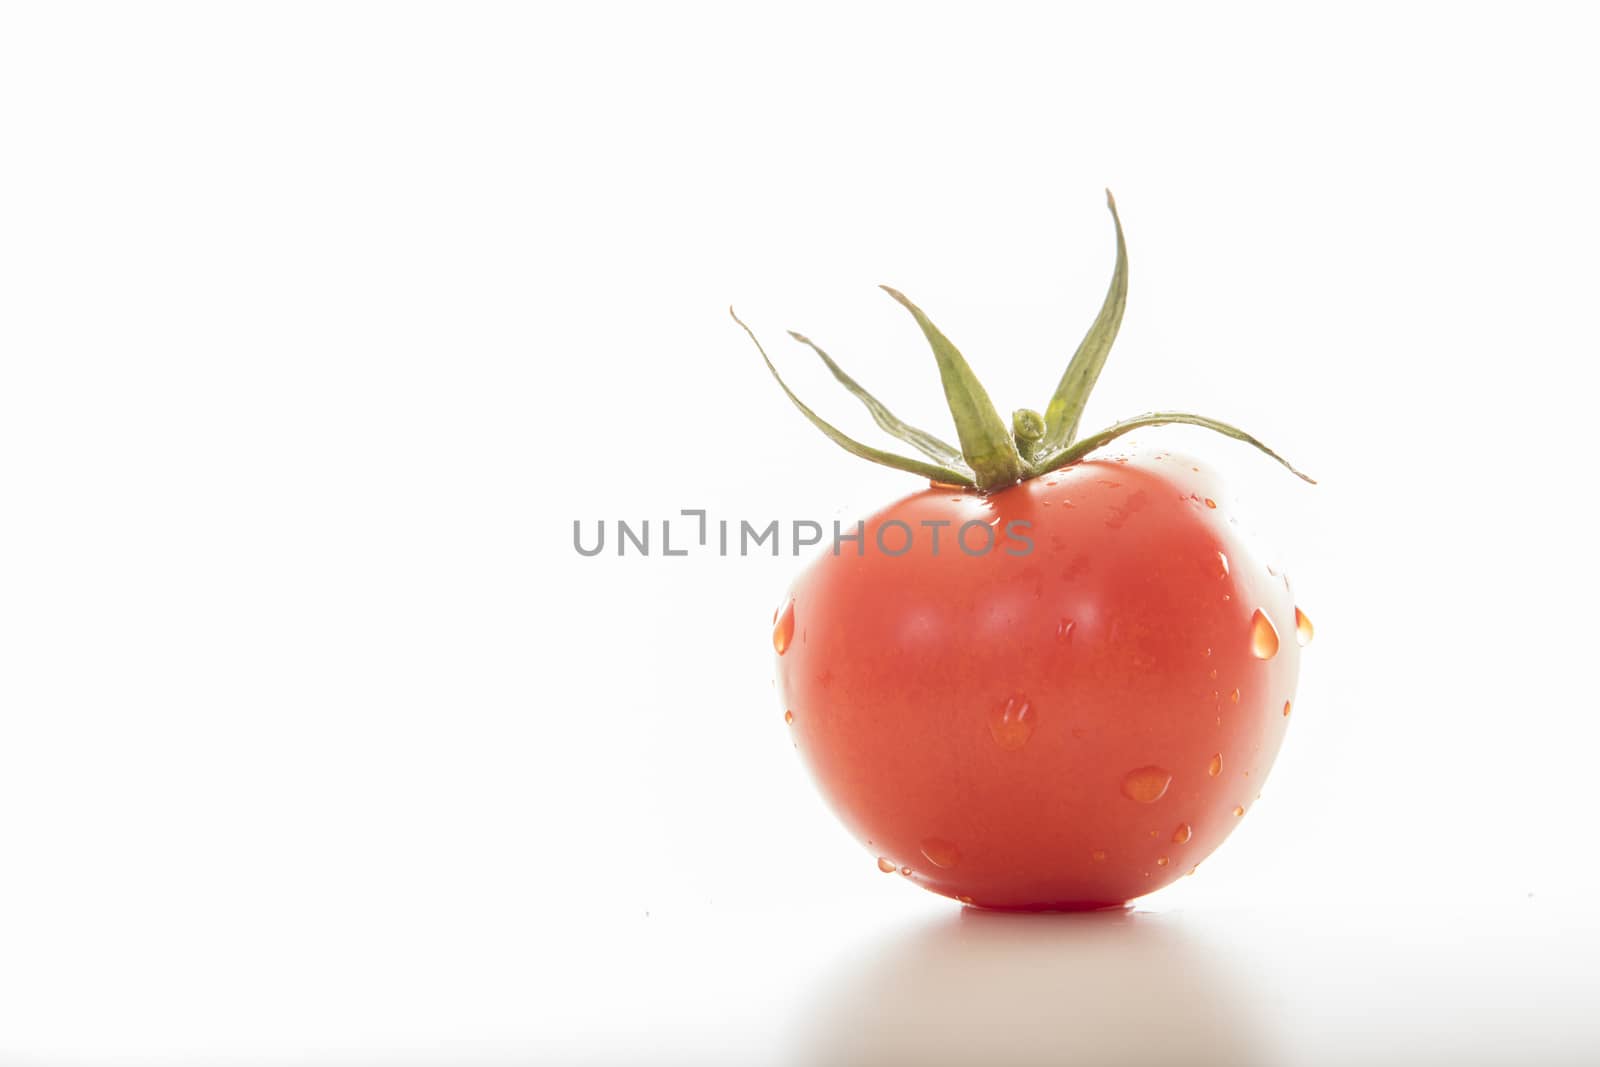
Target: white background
[{"x": 320, "y": 324}]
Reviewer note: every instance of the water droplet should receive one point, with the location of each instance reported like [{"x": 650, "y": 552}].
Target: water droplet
[
  {"x": 1238, "y": 812},
  {"x": 788, "y": 716},
  {"x": 1223, "y": 560},
  {"x": 1098, "y": 855},
  {"x": 1216, "y": 765},
  {"x": 1303, "y": 630},
  {"x": 906, "y": 871},
  {"x": 783, "y": 632},
  {"x": 1213, "y": 674},
  {"x": 1182, "y": 834},
  {"x": 1235, "y": 695},
  {"x": 1011, "y": 724},
  {"x": 1286, "y": 705},
  {"x": 1263, "y": 636},
  {"x": 965, "y": 900},
  {"x": 940, "y": 853},
  {"x": 1161, "y": 861},
  {"x": 885, "y": 866},
  {"x": 1064, "y": 631},
  {"x": 1146, "y": 784},
  {"x": 1210, "y": 503},
  {"x": 1190, "y": 871}
]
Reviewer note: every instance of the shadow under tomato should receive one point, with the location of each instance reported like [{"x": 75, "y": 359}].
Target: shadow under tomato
[{"x": 1010, "y": 989}]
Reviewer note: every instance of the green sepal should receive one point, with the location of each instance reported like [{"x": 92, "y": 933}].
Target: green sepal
[
  {"x": 986, "y": 442},
  {"x": 921, "y": 440},
  {"x": 1079, "y": 449},
  {"x": 932, "y": 472},
  {"x": 1072, "y": 393}
]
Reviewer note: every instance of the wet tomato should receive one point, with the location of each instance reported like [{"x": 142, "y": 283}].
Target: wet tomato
[
  {"x": 1054, "y": 679},
  {"x": 1069, "y": 724}
]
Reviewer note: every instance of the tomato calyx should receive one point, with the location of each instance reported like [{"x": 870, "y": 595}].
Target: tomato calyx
[{"x": 992, "y": 456}]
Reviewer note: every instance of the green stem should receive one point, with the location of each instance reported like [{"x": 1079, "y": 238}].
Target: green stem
[{"x": 1027, "y": 428}]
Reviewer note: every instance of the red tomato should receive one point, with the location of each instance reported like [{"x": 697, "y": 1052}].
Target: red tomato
[{"x": 1065, "y": 728}]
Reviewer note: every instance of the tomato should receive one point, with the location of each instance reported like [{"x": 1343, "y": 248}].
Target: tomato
[
  {"x": 1055, "y": 679},
  {"x": 1068, "y": 727}
]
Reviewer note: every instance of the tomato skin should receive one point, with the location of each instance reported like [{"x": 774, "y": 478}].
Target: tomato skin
[{"x": 1001, "y": 723}]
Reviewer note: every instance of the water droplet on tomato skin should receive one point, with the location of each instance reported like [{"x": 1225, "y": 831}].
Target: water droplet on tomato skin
[
  {"x": 906, "y": 871},
  {"x": 1235, "y": 695},
  {"x": 1238, "y": 811},
  {"x": 1263, "y": 636},
  {"x": 1223, "y": 561},
  {"x": 788, "y": 716},
  {"x": 1216, "y": 765},
  {"x": 1303, "y": 630},
  {"x": 940, "y": 853},
  {"x": 1286, "y": 706},
  {"x": 1098, "y": 855},
  {"x": 783, "y": 632},
  {"x": 885, "y": 866},
  {"x": 1210, "y": 503},
  {"x": 1011, "y": 723},
  {"x": 965, "y": 900},
  {"x": 1181, "y": 835},
  {"x": 1064, "y": 631},
  {"x": 1146, "y": 785},
  {"x": 1161, "y": 861}
]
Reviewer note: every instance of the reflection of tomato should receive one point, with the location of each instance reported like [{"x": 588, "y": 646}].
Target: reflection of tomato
[
  {"x": 1070, "y": 727},
  {"x": 1074, "y": 698}
]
